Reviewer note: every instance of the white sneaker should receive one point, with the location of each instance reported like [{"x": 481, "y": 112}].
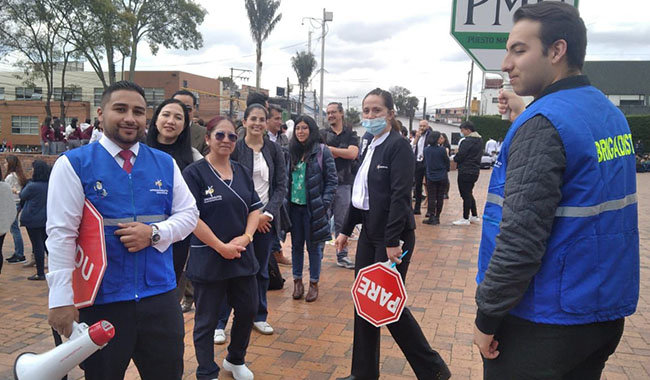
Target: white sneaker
[
  {"x": 461, "y": 222},
  {"x": 475, "y": 219},
  {"x": 219, "y": 336},
  {"x": 263, "y": 327},
  {"x": 239, "y": 372}
]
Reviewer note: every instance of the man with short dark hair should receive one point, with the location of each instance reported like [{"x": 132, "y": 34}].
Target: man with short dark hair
[
  {"x": 558, "y": 267},
  {"x": 274, "y": 126},
  {"x": 197, "y": 131},
  {"x": 418, "y": 177},
  {"x": 343, "y": 142},
  {"x": 146, "y": 206}
]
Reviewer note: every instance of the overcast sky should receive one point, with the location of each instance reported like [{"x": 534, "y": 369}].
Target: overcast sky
[{"x": 379, "y": 43}]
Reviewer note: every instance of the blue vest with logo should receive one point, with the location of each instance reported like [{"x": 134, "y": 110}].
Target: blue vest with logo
[
  {"x": 590, "y": 270},
  {"x": 143, "y": 196}
]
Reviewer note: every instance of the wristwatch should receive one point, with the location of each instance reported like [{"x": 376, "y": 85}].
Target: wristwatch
[{"x": 155, "y": 234}]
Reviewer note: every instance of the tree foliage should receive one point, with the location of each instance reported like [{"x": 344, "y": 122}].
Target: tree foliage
[
  {"x": 405, "y": 103},
  {"x": 168, "y": 23},
  {"x": 303, "y": 64},
  {"x": 262, "y": 19},
  {"x": 27, "y": 29},
  {"x": 352, "y": 116}
]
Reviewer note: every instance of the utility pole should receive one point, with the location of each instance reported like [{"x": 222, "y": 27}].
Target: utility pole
[
  {"x": 327, "y": 16},
  {"x": 316, "y": 107},
  {"x": 240, "y": 75},
  {"x": 468, "y": 105},
  {"x": 347, "y": 98},
  {"x": 424, "y": 109}
]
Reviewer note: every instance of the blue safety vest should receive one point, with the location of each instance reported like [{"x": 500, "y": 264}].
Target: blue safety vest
[
  {"x": 144, "y": 196},
  {"x": 590, "y": 270}
]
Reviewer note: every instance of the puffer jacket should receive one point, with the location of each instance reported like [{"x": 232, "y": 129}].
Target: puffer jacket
[
  {"x": 469, "y": 155},
  {"x": 321, "y": 186}
]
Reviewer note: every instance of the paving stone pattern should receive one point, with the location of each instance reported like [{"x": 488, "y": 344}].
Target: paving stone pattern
[{"x": 313, "y": 341}]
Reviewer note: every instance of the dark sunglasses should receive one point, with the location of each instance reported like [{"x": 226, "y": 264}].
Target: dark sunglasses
[{"x": 222, "y": 135}]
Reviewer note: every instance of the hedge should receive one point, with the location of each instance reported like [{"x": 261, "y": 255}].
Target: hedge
[{"x": 494, "y": 127}]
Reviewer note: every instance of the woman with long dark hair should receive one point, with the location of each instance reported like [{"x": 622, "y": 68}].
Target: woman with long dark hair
[
  {"x": 169, "y": 131},
  {"x": 33, "y": 202},
  {"x": 436, "y": 162},
  {"x": 16, "y": 179},
  {"x": 73, "y": 134},
  {"x": 222, "y": 265},
  {"x": 264, "y": 163},
  {"x": 312, "y": 186},
  {"x": 381, "y": 202}
]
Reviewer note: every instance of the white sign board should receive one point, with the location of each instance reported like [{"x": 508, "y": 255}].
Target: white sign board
[{"x": 481, "y": 27}]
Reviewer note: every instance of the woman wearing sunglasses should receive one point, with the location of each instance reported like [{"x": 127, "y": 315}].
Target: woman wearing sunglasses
[
  {"x": 222, "y": 265},
  {"x": 264, "y": 164}
]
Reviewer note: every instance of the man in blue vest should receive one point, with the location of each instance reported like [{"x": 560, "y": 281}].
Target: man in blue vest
[
  {"x": 559, "y": 256},
  {"x": 146, "y": 206}
]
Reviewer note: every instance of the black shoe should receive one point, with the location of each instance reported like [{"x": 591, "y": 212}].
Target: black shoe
[
  {"x": 416, "y": 212},
  {"x": 16, "y": 260},
  {"x": 435, "y": 220},
  {"x": 351, "y": 377},
  {"x": 36, "y": 278},
  {"x": 10, "y": 257},
  {"x": 428, "y": 214},
  {"x": 428, "y": 221}
]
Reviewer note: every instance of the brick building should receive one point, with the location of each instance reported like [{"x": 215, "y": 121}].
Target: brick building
[{"x": 22, "y": 108}]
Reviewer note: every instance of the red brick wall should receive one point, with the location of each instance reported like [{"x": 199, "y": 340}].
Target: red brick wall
[{"x": 26, "y": 160}]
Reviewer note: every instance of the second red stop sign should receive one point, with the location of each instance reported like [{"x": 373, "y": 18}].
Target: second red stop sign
[{"x": 379, "y": 294}]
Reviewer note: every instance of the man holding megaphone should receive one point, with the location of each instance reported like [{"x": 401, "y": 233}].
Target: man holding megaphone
[{"x": 139, "y": 194}]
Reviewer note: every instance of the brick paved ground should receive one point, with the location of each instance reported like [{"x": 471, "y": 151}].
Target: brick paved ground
[{"x": 313, "y": 341}]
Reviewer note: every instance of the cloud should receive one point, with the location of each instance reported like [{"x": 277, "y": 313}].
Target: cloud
[
  {"x": 361, "y": 32},
  {"x": 621, "y": 37}
]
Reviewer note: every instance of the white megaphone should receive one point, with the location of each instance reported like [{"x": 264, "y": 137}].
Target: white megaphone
[{"x": 56, "y": 363}]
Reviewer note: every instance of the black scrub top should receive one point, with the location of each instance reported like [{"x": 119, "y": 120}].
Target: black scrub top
[{"x": 224, "y": 207}]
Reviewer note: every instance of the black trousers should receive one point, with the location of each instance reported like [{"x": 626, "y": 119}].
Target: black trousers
[
  {"x": 436, "y": 191},
  {"x": 465, "y": 187},
  {"x": 407, "y": 333},
  {"x": 149, "y": 331},
  {"x": 180, "y": 251},
  {"x": 241, "y": 294},
  {"x": 552, "y": 352},
  {"x": 418, "y": 178},
  {"x": 38, "y": 236}
]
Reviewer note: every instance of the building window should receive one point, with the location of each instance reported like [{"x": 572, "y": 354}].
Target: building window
[
  {"x": 631, "y": 102},
  {"x": 27, "y": 93},
  {"x": 495, "y": 100},
  {"x": 97, "y": 95},
  {"x": 71, "y": 94},
  {"x": 24, "y": 125},
  {"x": 2, "y": 93},
  {"x": 154, "y": 96}
]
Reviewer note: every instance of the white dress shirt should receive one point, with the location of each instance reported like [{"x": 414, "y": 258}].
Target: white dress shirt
[
  {"x": 360, "y": 198},
  {"x": 65, "y": 202}
]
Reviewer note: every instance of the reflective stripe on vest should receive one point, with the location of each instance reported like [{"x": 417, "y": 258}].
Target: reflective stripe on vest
[
  {"x": 580, "y": 211},
  {"x": 140, "y": 219}
]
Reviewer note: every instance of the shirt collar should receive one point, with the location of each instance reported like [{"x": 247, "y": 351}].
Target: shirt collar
[
  {"x": 114, "y": 149},
  {"x": 374, "y": 143},
  {"x": 564, "y": 84}
]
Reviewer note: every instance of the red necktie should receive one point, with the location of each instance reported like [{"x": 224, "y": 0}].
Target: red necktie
[{"x": 126, "y": 155}]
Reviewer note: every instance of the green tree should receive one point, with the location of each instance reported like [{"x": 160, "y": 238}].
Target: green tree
[
  {"x": 352, "y": 116},
  {"x": 28, "y": 30},
  {"x": 170, "y": 23},
  {"x": 262, "y": 19},
  {"x": 97, "y": 30},
  {"x": 303, "y": 64},
  {"x": 405, "y": 103},
  {"x": 228, "y": 82}
]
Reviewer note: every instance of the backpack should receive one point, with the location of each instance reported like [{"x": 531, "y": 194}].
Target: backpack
[{"x": 276, "y": 281}]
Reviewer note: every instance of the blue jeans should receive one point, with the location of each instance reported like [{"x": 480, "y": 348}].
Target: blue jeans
[
  {"x": 262, "y": 245},
  {"x": 300, "y": 234},
  {"x": 19, "y": 248}
]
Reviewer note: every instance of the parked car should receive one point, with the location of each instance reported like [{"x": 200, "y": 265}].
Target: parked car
[{"x": 487, "y": 161}]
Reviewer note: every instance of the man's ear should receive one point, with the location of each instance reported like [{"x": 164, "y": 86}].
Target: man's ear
[{"x": 558, "y": 50}]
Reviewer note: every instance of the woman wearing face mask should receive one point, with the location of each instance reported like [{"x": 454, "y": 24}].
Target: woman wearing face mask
[
  {"x": 264, "y": 163},
  {"x": 381, "y": 202},
  {"x": 169, "y": 131},
  {"x": 222, "y": 265},
  {"x": 312, "y": 185}
]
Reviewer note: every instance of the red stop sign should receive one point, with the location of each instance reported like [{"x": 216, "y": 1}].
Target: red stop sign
[
  {"x": 379, "y": 294},
  {"x": 90, "y": 257}
]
